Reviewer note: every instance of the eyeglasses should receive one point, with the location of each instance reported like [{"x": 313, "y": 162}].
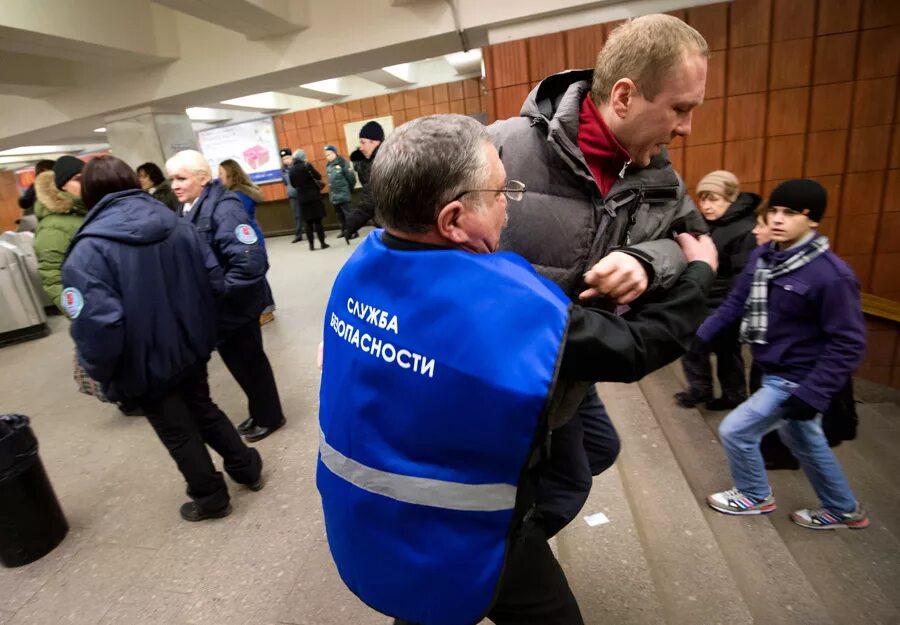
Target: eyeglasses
[{"x": 514, "y": 190}]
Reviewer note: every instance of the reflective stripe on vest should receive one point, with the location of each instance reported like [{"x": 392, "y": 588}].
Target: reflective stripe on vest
[
  {"x": 437, "y": 369},
  {"x": 422, "y": 491}
]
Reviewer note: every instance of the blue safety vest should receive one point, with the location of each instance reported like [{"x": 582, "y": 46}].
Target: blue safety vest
[{"x": 438, "y": 369}]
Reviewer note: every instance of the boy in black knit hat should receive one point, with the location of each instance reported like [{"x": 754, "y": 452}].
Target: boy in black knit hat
[{"x": 798, "y": 305}]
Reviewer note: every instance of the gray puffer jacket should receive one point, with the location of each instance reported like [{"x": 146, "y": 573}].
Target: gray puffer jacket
[{"x": 564, "y": 226}]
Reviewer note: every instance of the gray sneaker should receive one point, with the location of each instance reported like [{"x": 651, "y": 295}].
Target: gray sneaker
[
  {"x": 824, "y": 519},
  {"x": 735, "y": 502}
]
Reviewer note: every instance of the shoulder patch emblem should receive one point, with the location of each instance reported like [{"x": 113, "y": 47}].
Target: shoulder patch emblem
[
  {"x": 245, "y": 234},
  {"x": 73, "y": 301}
]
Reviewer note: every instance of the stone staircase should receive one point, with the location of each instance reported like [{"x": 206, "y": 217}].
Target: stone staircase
[{"x": 666, "y": 558}]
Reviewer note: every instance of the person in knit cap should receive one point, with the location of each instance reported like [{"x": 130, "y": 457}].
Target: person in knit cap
[
  {"x": 730, "y": 216},
  {"x": 370, "y": 137},
  {"x": 798, "y": 306},
  {"x": 60, "y": 212}
]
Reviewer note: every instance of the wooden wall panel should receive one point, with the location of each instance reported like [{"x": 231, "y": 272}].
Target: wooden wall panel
[
  {"x": 750, "y": 22},
  {"x": 712, "y": 22},
  {"x": 9, "y": 201},
  {"x": 793, "y": 19},
  {"x": 583, "y": 45},
  {"x": 792, "y": 63},
  {"x": 837, "y": 16},
  {"x": 879, "y": 52},
  {"x": 749, "y": 69},
  {"x": 546, "y": 55},
  {"x": 788, "y": 112},
  {"x": 508, "y": 64},
  {"x": 832, "y": 55},
  {"x": 746, "y": 116}
]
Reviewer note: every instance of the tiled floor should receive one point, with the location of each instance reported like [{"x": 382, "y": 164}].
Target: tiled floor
[{"x": 129, "y": 559}]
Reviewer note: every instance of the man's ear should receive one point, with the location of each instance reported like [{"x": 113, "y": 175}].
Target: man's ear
[
  {"x": 450, "y": 222},
  {"x": 622, "y": 96}
]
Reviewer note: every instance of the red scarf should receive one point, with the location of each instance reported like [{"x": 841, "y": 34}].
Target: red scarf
[{"x": 604, "y": 155}]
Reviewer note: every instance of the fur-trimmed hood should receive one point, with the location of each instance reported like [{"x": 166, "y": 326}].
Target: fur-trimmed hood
[{"x": 51, "y": 200}]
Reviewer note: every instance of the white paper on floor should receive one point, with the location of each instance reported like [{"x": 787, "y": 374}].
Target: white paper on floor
[{"x": 596, "y": 519}]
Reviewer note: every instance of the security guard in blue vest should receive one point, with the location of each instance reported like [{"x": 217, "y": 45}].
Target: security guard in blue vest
[{"x": 445, "y": 367}]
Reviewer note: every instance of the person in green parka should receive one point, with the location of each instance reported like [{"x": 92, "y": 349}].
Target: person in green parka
[
  {"x": 341, "y": 179},
  {"x": 60, "y": 212}
]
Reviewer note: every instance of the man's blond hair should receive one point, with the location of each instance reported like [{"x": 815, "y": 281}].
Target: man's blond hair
[{"x": 644, "y": 49}]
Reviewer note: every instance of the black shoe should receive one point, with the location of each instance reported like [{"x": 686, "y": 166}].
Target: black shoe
[
  {"x": 341, "y": 235},
  {"x": 193, "y": 512},
  {"x": 257, "y": 485},
  {"x": 258, "y": 433},
  {"x": 687, "y": 399},
  {"x": 245, "y": 426},
  {"x": 325, "y": 246},
  {"x": 724, "y": 403},
  {"x": 298, "y": 239}
]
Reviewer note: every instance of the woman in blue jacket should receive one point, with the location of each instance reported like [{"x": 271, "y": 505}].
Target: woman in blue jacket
[
  {"x": 140, "y": 287},
  {"x": 236, "y": 180}
]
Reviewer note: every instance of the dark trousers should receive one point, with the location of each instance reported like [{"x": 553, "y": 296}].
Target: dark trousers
[
  {"x": 186, "y": 420},
  {"x": 584, "y": 447},
  {"x": 534, "y": 589},
  {"x": 298, "y": 218},
  {"x": 729, "y": 368},
  {"x": 242, "y": 351},
  {"x": 341, "y": 210},
  {"x": 320, "y": 231}
]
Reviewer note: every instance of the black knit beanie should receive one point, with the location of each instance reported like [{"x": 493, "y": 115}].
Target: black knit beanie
[
  {"x": 65, "y": 169},
  {"x": 802, "y": 195},
  {"x": 372, "y": 131}
]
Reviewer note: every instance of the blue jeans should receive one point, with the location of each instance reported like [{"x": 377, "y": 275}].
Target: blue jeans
[{"x": 744, "y": 427}]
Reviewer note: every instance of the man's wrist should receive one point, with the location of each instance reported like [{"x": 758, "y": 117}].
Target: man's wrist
[{"x": 645, "y": 260}]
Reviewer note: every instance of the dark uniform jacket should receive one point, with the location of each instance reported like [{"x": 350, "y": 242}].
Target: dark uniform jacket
[
  {"x": 140, "y": 286},
  {"x": 217, "y": 215}
]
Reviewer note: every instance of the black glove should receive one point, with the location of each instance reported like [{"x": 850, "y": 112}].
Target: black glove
[{"x": 797, "y": 409}]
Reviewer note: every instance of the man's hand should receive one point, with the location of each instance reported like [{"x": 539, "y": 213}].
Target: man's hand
[
  {"x": 699, "y": 248},
  {"x": 619, "y": 276}
]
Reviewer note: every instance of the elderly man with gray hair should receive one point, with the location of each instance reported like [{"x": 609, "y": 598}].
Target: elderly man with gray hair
[
  {"x": 221, "y": 219},
  {"x": 445, "y": 367}
]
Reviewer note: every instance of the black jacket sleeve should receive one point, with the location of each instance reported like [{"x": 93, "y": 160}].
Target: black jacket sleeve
[
  {"x": 362, "y": 212},
  {"x": 603, "y": 347}
]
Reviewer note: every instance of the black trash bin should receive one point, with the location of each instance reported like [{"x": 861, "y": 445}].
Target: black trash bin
[{"x": 31, "y": 521}]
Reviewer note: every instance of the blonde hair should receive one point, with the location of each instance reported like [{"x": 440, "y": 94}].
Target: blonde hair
[
  {"x": 644, "y": 49},
  {"x": 192, "y": 160}
]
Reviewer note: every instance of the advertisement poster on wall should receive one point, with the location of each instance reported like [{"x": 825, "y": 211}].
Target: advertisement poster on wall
[{"x": 252, "y": 144}]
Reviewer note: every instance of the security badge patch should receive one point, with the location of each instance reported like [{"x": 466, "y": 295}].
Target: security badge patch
[
  {"x": 245, "y": 234},
  {"x": 72, "y": 301}
]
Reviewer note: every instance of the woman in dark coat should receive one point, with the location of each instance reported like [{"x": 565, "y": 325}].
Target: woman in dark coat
[
  {"x": 308, "y": 183},
  {"x": 731, "y": 217},
  {"x": 155, "y": 183}
]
